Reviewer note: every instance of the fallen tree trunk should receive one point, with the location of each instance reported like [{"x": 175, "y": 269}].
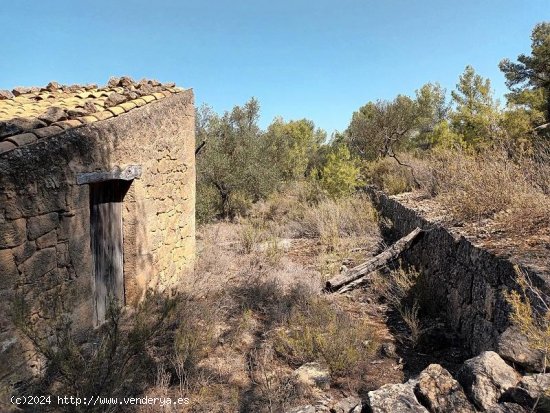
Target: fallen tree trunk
[{"x": 360, "y": 271}]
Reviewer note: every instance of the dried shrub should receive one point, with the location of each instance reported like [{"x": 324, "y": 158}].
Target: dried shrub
[
  {"x": 112, "y": 361},
  {"x": 334, "y": 221},
  {"x": 387, "y": 175},
  {"x": 531, "y": 313},
  {"x": 400, "y": 288},
  {"x": 319, "y": 331},
  {"x": 493, "y": 185}
]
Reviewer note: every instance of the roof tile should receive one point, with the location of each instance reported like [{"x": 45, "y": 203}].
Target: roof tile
[
  {"x": 116, "y": 110},
  {"x": 68, "y": 124},
  {"x": 64, "y": 107},
  {"x": 87, "y": 119},
  {"x": 139, "y": 102},
  {"x": 6, "y": 146},
  {"x": 127, "y": 106},
  {"x": 47, "y": 131},
  {"x": 22, "y": 139},
  {"x": 148, "y": 98},
  {"x": 104, "y": 114}
]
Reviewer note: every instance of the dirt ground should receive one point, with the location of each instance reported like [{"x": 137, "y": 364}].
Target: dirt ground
[{"x": 223, "y": 265}]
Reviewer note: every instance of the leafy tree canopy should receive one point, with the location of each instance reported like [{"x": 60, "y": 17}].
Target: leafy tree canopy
[
  {"x": 292, "y": 146},
  {"x": 529, "y": 77}
]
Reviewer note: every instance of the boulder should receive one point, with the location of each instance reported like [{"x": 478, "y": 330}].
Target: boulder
[
  {"x": 53, "y": 86},
  {"x": 438, "y": 391},
  {"x": 350, "y": 404},
  {"x": 514, "y": 347},
  {"x": 24, "y": 90},
  {"x": 395, "y": 398},
  {"x": 506, "y": 408},
  {"x": 313, "y": 375},
  {"x": 531, "y": 390},
  {"x": 485, "y": 378}
]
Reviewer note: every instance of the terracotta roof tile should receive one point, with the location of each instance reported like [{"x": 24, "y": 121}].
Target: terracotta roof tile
[
  {"x": 6, "y": 146},
  {"x": 139, "y": 102},
  {"x": 47, "y": 131},
  {"x": 116, "y": 110},
  {"x": 104, "y": 114},
  {"x": 127, "y": 106},
  {"x": 68, "y": 124},
  {"x": 49, "y": 110},
  {"x": 148, "y": 98},
  {"x": 88, "y": 119},
  {"x": 22, "y": 139}
]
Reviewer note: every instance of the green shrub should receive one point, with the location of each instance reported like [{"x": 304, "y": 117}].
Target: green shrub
[{"x": 340, "y": 175}]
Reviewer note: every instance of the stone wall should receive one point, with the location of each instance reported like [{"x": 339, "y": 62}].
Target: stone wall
[
  {"x": 464, "y": 282},
  {"x": 45, "y": 256}
]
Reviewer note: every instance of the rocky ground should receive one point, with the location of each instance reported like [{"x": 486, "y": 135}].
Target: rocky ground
[{"x": 428, "y": 376}]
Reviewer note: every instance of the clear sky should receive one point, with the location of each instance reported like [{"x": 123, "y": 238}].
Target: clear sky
[{"x": 315, "y": 59}]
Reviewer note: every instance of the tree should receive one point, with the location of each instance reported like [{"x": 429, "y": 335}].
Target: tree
[
  {"x": 340, "y": 175},
  {"x": 293, "y": 145},
  {"x": 233, "y": 164},
  {"x": 381, "y": 128},
  {"x": 475, "y": 116},
  {"x": 529, "y": 77},
  {"x": 431, "y": 115}
]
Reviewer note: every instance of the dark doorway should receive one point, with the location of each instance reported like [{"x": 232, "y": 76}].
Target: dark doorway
[{"x": 107, "y": 244}]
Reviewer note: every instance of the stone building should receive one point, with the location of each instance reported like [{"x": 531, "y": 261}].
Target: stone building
[{"x": 97, "y": 198}]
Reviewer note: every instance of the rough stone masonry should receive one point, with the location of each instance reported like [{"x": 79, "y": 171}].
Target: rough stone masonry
[{"x": 55, "y": 144}]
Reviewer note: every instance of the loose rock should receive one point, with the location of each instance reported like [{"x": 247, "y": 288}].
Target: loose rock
[
  {"x": 514, "y": 347},
  {"x": 485, "y": 378},
  {"x": 437, "y": 390},
  {"x": 395, "y": 398}
]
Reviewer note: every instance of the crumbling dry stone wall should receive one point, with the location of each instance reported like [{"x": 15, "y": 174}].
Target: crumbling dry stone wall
[
  {"x": 45, "y": 252},
  {"x": 464, "y": 282}
]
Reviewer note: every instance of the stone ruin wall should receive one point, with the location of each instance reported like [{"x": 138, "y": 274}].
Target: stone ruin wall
[
  {"x": 464, "y": 282},
  {"x": 45, "y": 223}
]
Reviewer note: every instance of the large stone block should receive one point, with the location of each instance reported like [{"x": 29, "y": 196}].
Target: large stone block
[
  {"x": 13, "y": 233},
  {"x": 40, "y": 225},
  {"x": 8, "y": 269},
  {"x": 47, "y": 240},
  {"x": 63, "y": 257},
  {"x": 40, "y": 263},
  {"x": 24, "y": 251}
]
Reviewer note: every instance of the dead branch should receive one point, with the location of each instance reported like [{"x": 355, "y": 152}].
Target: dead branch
[{"x": 355, "y": 276}]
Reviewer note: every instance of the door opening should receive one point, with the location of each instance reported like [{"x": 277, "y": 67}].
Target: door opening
[{"x": 106, "y": 234}]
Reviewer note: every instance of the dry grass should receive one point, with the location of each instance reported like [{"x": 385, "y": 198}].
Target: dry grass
[
  {"x": 474, "y": 187},
  {"x": 316, "y": 330},
  {"x": 531, "y": 314},
  {"x": 296, "y": 213},
  {"x": 400, "y": 289},
  {"x": 389, "y": 176},
  {"x": 512, "y": 190}
]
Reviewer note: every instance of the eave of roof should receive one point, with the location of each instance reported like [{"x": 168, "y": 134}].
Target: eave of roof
[{"x": 28, "y": 115}]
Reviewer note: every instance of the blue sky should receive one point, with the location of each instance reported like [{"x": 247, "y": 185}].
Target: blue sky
[{"x": 315, "y": 59}]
